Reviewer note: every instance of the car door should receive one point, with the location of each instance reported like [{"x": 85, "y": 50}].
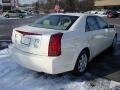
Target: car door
[
  {"x": 10, "y": 13},
  {"x": 13, "y": 13},
  {"x": 96, "y": 36}
]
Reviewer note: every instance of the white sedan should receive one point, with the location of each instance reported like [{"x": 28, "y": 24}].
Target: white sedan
[{"x": 59, "y": 43}]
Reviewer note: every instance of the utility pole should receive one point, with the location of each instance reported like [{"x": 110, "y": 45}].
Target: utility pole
[{"x": 37, "y": 7}]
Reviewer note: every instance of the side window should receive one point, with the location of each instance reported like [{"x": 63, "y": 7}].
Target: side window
[
  {"x": 9, "y": 11},
  {"x": 101, "y": 23},
  {"x": 91, "y": 24}
]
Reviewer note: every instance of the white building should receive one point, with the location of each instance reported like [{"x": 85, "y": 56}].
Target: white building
[{"x": 10, "y": 4}]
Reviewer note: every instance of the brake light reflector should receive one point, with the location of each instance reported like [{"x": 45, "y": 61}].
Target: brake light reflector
[{"x": 55, "y": 45}]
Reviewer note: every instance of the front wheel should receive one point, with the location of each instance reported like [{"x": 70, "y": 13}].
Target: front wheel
[
  {"x": 81, "y": 63},
  {"x": 21, "y": 16}
]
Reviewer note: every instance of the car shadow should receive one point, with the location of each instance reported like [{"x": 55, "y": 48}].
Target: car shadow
[{"x": 107, "y": 64}]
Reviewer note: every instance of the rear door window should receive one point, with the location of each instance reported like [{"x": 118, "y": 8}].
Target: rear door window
[
  {"x": 91, "y": 24},
  {"x": 102, "y": 23}
]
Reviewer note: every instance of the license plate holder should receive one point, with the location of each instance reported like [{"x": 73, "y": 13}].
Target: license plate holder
[{"x": 26, "y": 41}]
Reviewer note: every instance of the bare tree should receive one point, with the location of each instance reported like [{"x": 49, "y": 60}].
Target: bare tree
[
  {"x": 77, "y": 5},
  {"x": 67, "y": 5}
]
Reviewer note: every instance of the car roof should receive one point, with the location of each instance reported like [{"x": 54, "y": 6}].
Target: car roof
[{"x": 73, "y": 14}]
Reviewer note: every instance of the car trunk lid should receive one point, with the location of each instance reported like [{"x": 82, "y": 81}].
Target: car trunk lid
[{"x": 32, "y": 40}]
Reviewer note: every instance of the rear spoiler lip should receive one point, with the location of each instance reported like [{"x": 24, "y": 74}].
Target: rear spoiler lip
[{"x": 27, "y": 33}]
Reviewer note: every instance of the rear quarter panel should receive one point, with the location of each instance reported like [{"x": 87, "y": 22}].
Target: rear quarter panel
[
  {"x": 73, "y": 42},
  {"x": 73, "y": 45}
]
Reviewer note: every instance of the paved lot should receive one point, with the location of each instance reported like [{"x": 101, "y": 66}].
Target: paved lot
[
  {"x": 106, "y": 65},
  {"x": 7, "y": 25}
]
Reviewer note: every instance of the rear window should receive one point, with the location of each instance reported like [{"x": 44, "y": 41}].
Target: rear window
[{"x": 58, "y": 22}]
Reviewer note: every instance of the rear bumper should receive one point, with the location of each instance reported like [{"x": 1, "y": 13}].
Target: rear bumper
[{"x": 50, "y": 65}]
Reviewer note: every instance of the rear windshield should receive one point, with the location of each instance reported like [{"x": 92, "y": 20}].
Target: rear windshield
[{"x": 57, "y": 22}]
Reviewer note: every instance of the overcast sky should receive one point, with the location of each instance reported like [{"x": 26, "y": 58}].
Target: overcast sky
[{"x": 24, "y": 1}]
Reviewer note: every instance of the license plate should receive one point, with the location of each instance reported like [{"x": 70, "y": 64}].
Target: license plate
[{"x": 26, "y": 41}]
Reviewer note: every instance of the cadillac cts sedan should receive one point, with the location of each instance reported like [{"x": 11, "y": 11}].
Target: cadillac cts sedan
[{"x": 61, "y": 42}]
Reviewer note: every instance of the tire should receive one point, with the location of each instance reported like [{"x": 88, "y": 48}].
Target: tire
[
  {"x": 21, "y": 16},
  {"x": 7, "y": 16},
  {"x": 81, "y": 64}
]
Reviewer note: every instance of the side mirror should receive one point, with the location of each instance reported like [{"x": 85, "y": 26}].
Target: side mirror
[{"x": 111, "y": 26}]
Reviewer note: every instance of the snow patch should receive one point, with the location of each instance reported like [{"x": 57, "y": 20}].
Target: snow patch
[
  {"x": 26, "y": 17},
  {"x": 101, "y": 15},
  {"x": 15, "y": 77},
  {"x": 114, "y": 84},
  {"x": 4, "y": 52},
  {"x": 2, "y": 17}
]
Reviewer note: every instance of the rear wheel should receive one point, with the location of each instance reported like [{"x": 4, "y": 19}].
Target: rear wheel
[
  {"x": 7, "y": 16},
  {"x": 20, "y": 16},
  {"x": 81, "y": 63}
]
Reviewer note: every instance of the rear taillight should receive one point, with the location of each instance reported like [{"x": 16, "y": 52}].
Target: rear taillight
[{"x": 55, "y": 45}]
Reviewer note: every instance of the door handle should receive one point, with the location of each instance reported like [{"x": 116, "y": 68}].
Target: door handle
[{"x": 98, "y": 36}]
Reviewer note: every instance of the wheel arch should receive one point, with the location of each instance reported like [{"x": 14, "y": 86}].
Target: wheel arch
[
  {"x": 84, "y": 50},
  {"x": 80, "y": 50}
]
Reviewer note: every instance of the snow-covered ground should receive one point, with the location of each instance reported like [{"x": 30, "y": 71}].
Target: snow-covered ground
[
  {"x": 2, "y": 17},
  {"x": 101, "y": 15},
  {"x": 15, "y": 77},
  {"x": 21, "y": 18}
]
